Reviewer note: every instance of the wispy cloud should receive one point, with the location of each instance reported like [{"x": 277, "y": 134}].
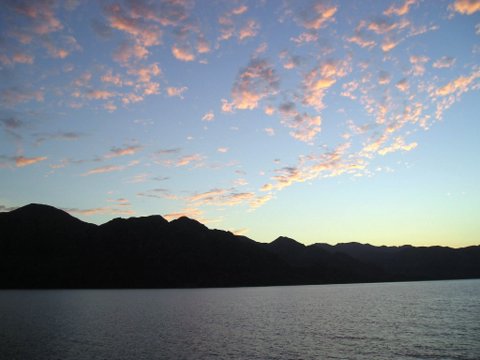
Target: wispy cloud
[
  {"x": 21, "y": 161},
  {"x": 317, "y": 16},
  {"x": 400, "y": 10},
  {"x": 14, "y": 95},
  {"x": 123, "y": 151}
]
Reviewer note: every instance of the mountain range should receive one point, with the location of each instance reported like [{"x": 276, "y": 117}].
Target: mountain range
[{"x": 45, "y": 247}]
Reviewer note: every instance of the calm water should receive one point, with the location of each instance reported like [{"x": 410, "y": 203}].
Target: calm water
[{"x": 424, "y": 320}]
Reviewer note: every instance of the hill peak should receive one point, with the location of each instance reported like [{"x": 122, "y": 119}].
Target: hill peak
[{"x": 286, "y": 241}]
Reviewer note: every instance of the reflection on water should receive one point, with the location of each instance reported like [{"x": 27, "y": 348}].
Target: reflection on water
[{"x": 434, "y": 320}]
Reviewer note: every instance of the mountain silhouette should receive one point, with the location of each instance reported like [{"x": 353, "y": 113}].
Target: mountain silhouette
[{"x": 44, "y": 247}]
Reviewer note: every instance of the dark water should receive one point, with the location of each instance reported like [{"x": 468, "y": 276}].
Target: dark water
[{"x": 424, "y": 320}]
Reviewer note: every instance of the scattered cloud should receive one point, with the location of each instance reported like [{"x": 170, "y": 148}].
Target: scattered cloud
[
  {"x": 209, "y": 116},
  {"x": 176, "y": 91},
  {"x": 250, "y": 29},
  {"x": 182, "y": 53},
  {"x": 444, "y": 62},
  {"x": 14, "y": 95},
  {"x": 255, "y": 82}
]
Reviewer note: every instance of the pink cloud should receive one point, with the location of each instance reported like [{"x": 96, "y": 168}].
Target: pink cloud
[
  {"x": 103, "y": 169},
  {"x": 21, "y": 161},
  {"x": 23, "y": 58},
  {"x": 255, "y": 82},
  {"x": 444, "y": 62},
  {"x": 191, "y": 212},
  {"x": 466, "y": 7},
  {"x": 42, "y": 15},
  {"x": 128, "y": 150},
  {"x": 459, "y": 85},
  {"x": 182, "y": 53},
  {"x": 209, "y": 116},
  {"x": 250, "y": 29},
  {"x": 401, "y": 10},
  {"x": 99, "y": 94},
  {"x": 176, "y": 91},
  {"x": 318, "y": 16},
  {"x": 144, "y": 74}
]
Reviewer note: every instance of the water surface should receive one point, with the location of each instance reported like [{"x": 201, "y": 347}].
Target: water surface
[{"x": 421, "y": 320}]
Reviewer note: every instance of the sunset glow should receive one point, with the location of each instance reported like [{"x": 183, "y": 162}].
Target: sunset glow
[{"x": 324, "y": 121}]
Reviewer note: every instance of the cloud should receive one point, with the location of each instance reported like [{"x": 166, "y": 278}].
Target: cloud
[
  {"x": 255, "y": 82},
  {"x": 144, "y": 74},
  {"x": 23, "y": 58},
  {"x": 361, "y": 40},
  {"x": 189, "y": 159},
  {"x": 159, "y": 193},
  {"x": 382, "y": 25},
  {"x": 389, "y": 44},
  {"x": 222, "y": 149},
  {"x": 128, "y": 50},
  {"x": 128, "y": 150},
  {"x": 176, "y": 91},
  {"x": 401, "y": 10},
  {"x": 168, "y": 151},
  {"x": 100, "y": 211},
  {"x": 192, "y": 213},
  {"x": 14, "y": 95},
  {"x": 240, "y": 232},
  {"x": 12, "y": 123},
  {"x": 41, "y": 15},
  {"x": 459, "y": 85},
  {"x": 21, "y": 161},
  {"x": 384, "y": 78},
  {"x": 151, "y": 88},
  {"x": 444, "y": 62},
  {"x": 250, "y": 29},
  {"x": 203, "y": 46},
  {"x": 209, "y": 116},
  {"x": 103, "y": 169},
  {"x": 466, "y": 7},
  {"x": 223, "y": 197},
  {"x": 240, "y": 10},
  {"x": 317, "y": 16},
  {"x": 182, "y": 53},
  {"x": 69, "y": 136},
  {"x": 270, "y": 131},
  {"x": 99, "y": 94},
  {"x": 305, "y": 37},
  {"x": 402, "y": 85},
  {"x": 418, "y": 63},
  {"x": 144, "y": 34},
  {"x": 318, "y": 80},
  {"x": 398, "y": 144},
  {"x": 305, "y": 126}
]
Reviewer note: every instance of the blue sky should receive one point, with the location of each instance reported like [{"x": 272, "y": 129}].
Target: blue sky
[{"x": 325, "y": 121}]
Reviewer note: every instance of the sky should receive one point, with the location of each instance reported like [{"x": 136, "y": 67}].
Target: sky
[{"x": 324, "y": 121}]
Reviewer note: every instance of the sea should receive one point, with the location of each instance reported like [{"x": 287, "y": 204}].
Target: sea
[{"x": 405, "y": 320}]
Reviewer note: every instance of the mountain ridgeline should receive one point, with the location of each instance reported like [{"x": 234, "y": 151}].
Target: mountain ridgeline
[{"x": 44, "y": 247}]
